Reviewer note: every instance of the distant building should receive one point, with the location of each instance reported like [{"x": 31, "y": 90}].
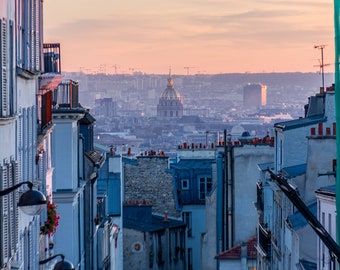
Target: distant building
[
  {"x": 170, "y": 102},
  {"x": 105, "y": 107},
  {"x": 254, "y": 95}
]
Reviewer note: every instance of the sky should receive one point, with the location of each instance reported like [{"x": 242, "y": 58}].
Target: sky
[{"x": 191, "y": 36}]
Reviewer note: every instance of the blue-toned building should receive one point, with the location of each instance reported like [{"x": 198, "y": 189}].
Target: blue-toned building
[
  {"x": 193, "y": 181},
  {"x": 152, "y": 241},
  {"x": 304, "y": 155},
  {"x": 76, "y": 164},
  {"x": 109, "y": 210}
]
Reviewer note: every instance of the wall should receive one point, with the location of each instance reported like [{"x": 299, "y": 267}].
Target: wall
[
  {"x": 246, "y": 159},
  {"x": 136, "y": 259},
  {"x": 150, "y": 181}
]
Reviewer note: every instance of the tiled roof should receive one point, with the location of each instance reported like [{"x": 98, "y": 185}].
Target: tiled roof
[{"x": 235, "y": 252}]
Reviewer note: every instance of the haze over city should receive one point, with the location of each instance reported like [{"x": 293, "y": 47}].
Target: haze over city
[{"x": 205, "y": 36}]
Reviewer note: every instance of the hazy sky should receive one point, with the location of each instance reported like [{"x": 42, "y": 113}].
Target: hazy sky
[{"x": 210, "y": 36}]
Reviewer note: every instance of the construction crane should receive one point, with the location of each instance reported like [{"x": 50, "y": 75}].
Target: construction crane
[{"x": 188, "y": 69}]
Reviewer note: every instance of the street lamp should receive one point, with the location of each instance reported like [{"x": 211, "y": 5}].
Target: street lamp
[
  {"x": 62, "y": 265},
  {"x": 30, "y": 202}
]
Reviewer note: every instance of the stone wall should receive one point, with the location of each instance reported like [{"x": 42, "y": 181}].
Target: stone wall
[{"x": 150, "y": 181}]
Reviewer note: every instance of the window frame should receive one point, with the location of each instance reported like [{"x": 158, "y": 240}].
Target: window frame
[
  {"x": 207, "y": 184},
  {"x": 185, "y": 185}
]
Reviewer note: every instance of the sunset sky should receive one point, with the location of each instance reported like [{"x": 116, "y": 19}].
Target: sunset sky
[{"x": 210, "y": 36}]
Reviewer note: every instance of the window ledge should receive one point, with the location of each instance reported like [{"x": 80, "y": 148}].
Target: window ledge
[
  {"x": 27, "y": 74},
  {"x": 5, "y": 120}
]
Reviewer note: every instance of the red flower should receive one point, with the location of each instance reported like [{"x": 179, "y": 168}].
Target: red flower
[{"x": 52, "y": 222}]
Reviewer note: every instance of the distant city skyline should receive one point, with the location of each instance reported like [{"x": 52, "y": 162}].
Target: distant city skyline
[{"x": 191, "y": 37}]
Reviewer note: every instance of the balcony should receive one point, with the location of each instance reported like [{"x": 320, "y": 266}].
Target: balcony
[
  {"x": 52, "y": 62},
  {"x": 264, "y": 241},
  {"x": 47, "y": 84},
  {"x": 259, "y": 197}
]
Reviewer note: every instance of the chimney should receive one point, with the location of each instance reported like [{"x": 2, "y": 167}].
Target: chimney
[
  {"x": 320, "y": 128},
  {"x": 165, "y": 216},
  {"x": 312, "y": 131}
]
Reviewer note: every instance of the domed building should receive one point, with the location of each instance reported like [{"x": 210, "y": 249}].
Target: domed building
[{"x": 170, "y": 103}]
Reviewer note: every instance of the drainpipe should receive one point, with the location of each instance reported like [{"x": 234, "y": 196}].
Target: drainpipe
[
  {"x": 230, "y": 188},
  {"x": 337, "y": 110},
  {"x": 228, "y": 193},
  {"x": 225, "y": 197}
]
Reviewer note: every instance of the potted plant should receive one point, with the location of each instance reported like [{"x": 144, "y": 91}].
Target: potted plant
[{"x": 52, "y": 222}]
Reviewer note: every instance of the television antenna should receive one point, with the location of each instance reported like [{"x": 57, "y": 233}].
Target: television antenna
[{"x": 322, "y": 65}]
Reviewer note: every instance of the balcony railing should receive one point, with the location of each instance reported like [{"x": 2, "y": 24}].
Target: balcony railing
[
  {"x": 259, "y": 196},
  {"x": 265, "y": 240},
  {"x": 52, "y": 62}
]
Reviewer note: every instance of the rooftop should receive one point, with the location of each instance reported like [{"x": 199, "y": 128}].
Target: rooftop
[{"x": 236, "y": 251}]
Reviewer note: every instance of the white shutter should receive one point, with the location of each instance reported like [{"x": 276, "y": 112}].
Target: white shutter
[
  {"x": 3, "y": 71},
  {"x": 20, "y": 140},
  {"x": 31, "y": 149},
  {"x": 15, "y": 211},
  {"x": 25, "y": 143},
  {"x": 11, "y": 206},
  {"x": 37, "y": 35},
  {"x": 4, "y": 235},
  {"x": 30, "y": 247}
]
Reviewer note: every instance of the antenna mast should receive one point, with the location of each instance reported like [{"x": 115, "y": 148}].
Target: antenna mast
[{"x": 322, "y": 65}]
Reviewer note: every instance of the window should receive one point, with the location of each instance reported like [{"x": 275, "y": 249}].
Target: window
[
  {"x": 185, "y": 184},
  {"x": 205, "y": 186},
  {"x": 9, "y": 216},
  {"x": 187, "y": 218},
  {"x": 28, "y": 15}
]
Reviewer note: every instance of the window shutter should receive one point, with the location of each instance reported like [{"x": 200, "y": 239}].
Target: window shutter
[
  {"x": 30, "y": 247},
  {"x": 19, "y": 138},
  {"x": 31, "y": 150},
  {"x": 4, "y": 254},
  {"x": 15, "y": 211},
  {"x": 37, "y": 35},
  {"x": 46, "y": 107},
  {"x": 25, "y": 143},
  {"x": 3, "y": 54}
]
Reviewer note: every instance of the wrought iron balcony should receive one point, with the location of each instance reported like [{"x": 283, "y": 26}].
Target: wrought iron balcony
[
  {"x": 264, "y": 240},
  {"x": 52, "y": 62}
]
